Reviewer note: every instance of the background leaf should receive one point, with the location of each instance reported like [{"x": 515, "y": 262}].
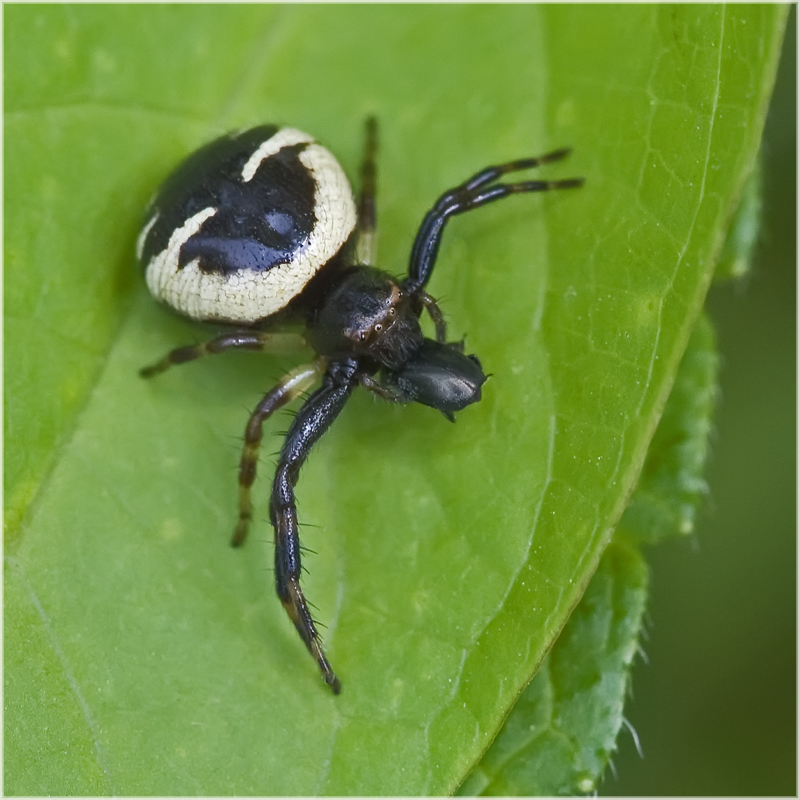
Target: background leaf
[
  {"x": 737, "y": 252},
  {"x": 450, "y": 556},
  {"x": 563, "y": 729}
]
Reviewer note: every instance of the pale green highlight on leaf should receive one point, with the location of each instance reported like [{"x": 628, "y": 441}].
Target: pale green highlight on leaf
[{"x": 743, "y": 233}]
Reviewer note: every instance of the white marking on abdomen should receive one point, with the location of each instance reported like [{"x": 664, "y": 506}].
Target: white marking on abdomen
[
  {"x": 143, "y": 235},
  {"x": 285, "y": 137}
]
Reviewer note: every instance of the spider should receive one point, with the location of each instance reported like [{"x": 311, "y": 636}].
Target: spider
[{"x": 259, "y": 229}]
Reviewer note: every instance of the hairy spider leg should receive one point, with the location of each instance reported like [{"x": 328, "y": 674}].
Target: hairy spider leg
[
  {"x": 277, "y": 343},
  {"x": 290, "y": 386},
  {"x": 313, "y": 419},
  {"x": 434, "y": 312},
  {"x": 367, "y": 244},
  {"x": 474, "y": 192}
]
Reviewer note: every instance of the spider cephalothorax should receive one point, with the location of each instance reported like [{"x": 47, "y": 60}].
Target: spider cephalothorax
[{"x": 260, "y": 227}]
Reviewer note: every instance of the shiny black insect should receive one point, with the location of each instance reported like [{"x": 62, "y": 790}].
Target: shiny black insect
[{"x": 259, "y": 228}]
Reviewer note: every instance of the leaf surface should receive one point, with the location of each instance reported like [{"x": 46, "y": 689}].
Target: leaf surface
[
  {"x": 145, "y": 656},
  {"x": 562, "y": 731}
]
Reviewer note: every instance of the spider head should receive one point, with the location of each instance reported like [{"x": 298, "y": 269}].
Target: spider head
[{"x": 369, "y": 316}]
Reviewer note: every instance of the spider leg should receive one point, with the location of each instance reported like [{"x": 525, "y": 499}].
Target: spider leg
[
  {"x": 277, "y": 343},
  {"x": 383, "y": 390},
  {"x": 435, "y": 313},
  {"x": 290, "y": 386},
  {"x": 491, "y": 174},
  {"x": 311, "y": 422},
  {"x": 366, "y": 247},
  {"x": 478, "y": 190}
]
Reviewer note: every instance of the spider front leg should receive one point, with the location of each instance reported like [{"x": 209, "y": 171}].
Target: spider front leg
[
  {"x": 311, "y": 422},
  {"x": 435, "y": 313},
  {"x": 290, "y": 386},
  {"x": 479, "y": 190},
  {"x": 276, "y": 343}
]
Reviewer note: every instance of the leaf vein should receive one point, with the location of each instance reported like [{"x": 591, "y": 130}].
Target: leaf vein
[{"x": 86, "y": 710}]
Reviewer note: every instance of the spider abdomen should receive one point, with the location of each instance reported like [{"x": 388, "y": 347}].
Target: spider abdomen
[{"x": 243, "y": 224}]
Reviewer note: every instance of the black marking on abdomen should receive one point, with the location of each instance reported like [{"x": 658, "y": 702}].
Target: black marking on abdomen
[{"x": 258, "y": 224}]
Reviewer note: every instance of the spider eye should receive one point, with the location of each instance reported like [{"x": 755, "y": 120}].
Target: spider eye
[
  {"x": 363, "y": 336},
  {"x": 392, "y": 311},
  {"x": 378, "y": 327}
]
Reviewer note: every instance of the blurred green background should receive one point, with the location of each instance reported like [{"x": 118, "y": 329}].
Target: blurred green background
[{"x": 715, "y": 706}]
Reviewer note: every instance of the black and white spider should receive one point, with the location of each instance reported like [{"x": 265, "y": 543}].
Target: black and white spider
[{"x": 259, "y": 228}]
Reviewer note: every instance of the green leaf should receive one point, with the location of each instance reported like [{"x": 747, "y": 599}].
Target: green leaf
[
  {"x": 561, "y": 733},
  {"x": 562, "y": 730},
  {"x": 672, "y": 483},
  {"x": 145, "y": 656}
]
